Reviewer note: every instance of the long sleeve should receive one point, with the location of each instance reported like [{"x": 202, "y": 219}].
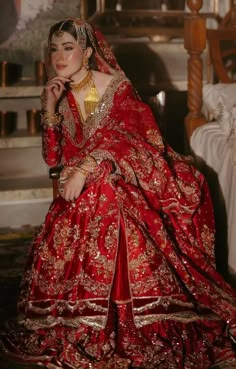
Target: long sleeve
[{"x": 51, "y": 145}]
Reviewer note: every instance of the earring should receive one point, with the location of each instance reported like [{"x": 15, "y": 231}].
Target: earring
[{"x": 86, "y": 63}]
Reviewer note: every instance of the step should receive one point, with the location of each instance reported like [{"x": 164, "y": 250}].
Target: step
[
  {"x": 24, "y": 201},
  {"x": 20, "y": 139},
  {"x": 40, "y": 184},
  {"x": 21, "y": 156},
  {"x": 24, "y": 88}
]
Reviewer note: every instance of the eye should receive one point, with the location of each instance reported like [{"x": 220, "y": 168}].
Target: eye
[
  {"x": 68, "y": 48},
  {"x": 53, "y": 49}
]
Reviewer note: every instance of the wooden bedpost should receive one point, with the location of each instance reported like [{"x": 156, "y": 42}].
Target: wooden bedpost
[{"x": 194, "y": 43}]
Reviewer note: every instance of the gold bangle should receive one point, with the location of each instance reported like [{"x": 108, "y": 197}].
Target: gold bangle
[
  {"x": 90, "y": 160},
  {"x": 83, "y": 171},
  {"x": 51, "y": 119}
]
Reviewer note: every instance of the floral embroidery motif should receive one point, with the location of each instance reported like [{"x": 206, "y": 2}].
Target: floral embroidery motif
[{"x": 142, "y": 226}]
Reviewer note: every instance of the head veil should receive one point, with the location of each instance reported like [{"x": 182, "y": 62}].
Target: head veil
[{"x": 86, "y": 35}]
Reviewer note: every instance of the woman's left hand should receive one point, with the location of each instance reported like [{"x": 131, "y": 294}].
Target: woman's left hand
[{"x": 72, "y": 188}]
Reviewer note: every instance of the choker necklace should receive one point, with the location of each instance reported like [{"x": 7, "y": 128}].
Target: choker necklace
[{"x": 86, "y": 81}]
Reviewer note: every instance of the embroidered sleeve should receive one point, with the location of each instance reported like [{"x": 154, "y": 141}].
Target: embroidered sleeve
[{"x": 51, "y": 145}]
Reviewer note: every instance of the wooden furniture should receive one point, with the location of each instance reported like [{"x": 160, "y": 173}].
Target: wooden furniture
[
  {"x": 157, "y": 20},
  {"x": 196, "y": 38},
  {"x": 213, "y": 144},
  {"x": 223, "y": 59}
]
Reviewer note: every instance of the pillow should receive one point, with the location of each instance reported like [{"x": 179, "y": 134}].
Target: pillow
[{"x": 218, "y": 103}]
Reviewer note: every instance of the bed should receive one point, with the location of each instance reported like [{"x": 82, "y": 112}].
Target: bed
[{"x": 211, "y": 121}]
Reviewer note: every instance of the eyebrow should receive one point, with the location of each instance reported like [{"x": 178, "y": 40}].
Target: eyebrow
[{"x": 63, "y": 44}]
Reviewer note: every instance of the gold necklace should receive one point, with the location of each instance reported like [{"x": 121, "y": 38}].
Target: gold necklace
[
  {"x": 92, "y": 97},
  {"x": 86, "y": 81}
]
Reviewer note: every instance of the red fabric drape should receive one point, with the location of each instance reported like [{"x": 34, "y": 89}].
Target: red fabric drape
[{"x": 124, "y": 277}]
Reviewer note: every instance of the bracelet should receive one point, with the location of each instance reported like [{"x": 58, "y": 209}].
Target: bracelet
[
  {"x": 51, "y": 119},
  {"x": 90, "y": 161},
  {"x": 83, "y": 171}
]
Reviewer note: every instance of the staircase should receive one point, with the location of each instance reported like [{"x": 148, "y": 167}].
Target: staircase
[
  {"x": 25, "y": 192},
  {"x": 25, "y": 187}
]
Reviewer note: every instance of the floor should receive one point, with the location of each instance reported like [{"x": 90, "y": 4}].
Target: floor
[{"x": 14, "y": 246}]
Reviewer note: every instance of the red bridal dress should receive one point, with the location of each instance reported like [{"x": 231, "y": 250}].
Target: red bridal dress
[{"x": 123, "y": 277}]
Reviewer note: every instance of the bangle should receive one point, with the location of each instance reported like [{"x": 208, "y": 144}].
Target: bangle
[
  {"x": 51, "y": 119},
  {"x": 83, "y": 171},
  {"x": 91, "y": 161},
  {"x": 90, "y": 164}
]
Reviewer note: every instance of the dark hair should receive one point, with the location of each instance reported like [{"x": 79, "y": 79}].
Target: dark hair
[{"x": 68, "y": 26}]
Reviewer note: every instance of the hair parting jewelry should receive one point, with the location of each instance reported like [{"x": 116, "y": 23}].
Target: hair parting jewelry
[
  {"x": 50, "y": 119},
  {"x": 59, "y": 33},
  {"x": 82, "y": 29}
]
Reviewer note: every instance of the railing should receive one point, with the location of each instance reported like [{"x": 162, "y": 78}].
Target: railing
[
  {"x": 194, "y": 43},
  {"x": 141, "y": 22}
]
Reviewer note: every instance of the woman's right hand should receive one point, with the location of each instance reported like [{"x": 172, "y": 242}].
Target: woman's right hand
[{"x": 52, "y": 93}]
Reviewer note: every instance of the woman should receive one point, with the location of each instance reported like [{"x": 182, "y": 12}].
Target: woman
[{"x": 122, "y": 272}]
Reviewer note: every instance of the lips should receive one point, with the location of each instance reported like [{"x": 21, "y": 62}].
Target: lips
[{"x": 60, "y": 66}]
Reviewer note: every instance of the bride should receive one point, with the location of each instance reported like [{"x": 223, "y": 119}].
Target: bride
[{"x": 122, "y": 272}]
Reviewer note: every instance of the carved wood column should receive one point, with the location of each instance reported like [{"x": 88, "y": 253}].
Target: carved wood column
[{"x": 194, "y": 43}]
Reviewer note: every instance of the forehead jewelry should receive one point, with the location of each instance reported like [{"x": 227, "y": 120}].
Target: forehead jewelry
[
  {"x": 59, "y": 33},
  {"x": 82, "y": 29}
]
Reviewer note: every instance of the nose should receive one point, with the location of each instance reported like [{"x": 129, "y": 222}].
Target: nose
[{"x": 59, "y": 55}]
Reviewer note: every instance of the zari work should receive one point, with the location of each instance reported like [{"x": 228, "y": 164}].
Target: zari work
[{"x": 124, "y": 277}]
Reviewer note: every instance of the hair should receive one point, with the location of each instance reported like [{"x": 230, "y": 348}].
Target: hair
[{"x": 69, "y": 27}]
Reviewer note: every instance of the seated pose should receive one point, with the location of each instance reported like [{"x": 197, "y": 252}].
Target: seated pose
[{"x": 122, "y": 273}]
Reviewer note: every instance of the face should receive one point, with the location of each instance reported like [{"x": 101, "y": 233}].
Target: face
[{"x": 66, "y": 56}]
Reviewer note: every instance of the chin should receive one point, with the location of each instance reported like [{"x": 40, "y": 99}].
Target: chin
[{"x": 61, "y": 73}]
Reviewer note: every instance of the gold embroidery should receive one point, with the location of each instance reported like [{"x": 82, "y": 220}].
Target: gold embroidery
[
  {"x": 99, "y": 119},
  {"x": 208, "y": 239},
  {"x": 154, "y": 137},
  {"x": 184, "y": 317},
  {"x": 164, "y": 301},
  {"x": 97, "y": 322}
]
